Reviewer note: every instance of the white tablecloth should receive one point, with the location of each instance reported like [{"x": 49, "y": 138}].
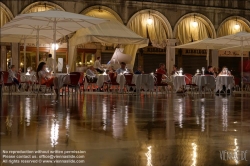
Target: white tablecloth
[
  {"x": 120, "y": 79},
  {"x": 228, "y": 81},
  {"x": 143, "y": 81},
  {"x": 101, "y": 79},
  {"x": 203, "y": 80},
  {"x": 178, "y": 82},
  {"x": 62, "y": 79},
  {"x": 26, "y": 78}
]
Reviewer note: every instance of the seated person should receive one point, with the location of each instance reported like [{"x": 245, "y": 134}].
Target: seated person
[
  {"x": 20, "y": 70},
  {"x": 139, "y": 70},
  {"x": 98, "y": 66},
  {"x": 122, "y": 69},
  {"x": 210, "y": 71},
  {"x": 225, "y": 71},
  {"x": 45, "y": 78},
  {"x": 175, "y": 70},
  {"x": 216, "y": 70},
  {"x": 13, "y": 76},
  {"x": 110, "y": 70},
  {"x": 165, "y": 79},
  {"x": 161, "y": 69},
  {"x": 90, "y": 73}
]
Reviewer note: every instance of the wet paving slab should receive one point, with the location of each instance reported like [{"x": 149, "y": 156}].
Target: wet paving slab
[{"x": 126, "y": 130}]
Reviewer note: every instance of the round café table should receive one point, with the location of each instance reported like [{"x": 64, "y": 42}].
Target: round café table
[
  {"x": 178, "y": 82},
  {"x": 226, "y": 80},
  {"x": 204, "y": 81}
]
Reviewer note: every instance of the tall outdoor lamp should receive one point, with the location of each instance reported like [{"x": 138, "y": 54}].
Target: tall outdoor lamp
[
  {"x": 149, "y": 20},
  {"x": 194, "y": 23}
]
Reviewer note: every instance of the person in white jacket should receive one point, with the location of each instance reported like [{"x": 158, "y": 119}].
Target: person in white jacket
[
  {"x": 13, "y": 76},
  {"x": 98, "y": 66},
  {"x": 51, "y": 63}
]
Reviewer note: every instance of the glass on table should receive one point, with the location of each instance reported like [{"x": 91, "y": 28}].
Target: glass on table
[
  {"x": 203, "y": 70},
  {"x": 67, "y": 67},
  {"x": 181, "y": 71}
]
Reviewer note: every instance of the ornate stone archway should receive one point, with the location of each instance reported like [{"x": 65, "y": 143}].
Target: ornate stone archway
[
  {"x": 112, "y": 12},
  {"x": 228, "y": 22},
  {"x": 208, "y": 24},
  {"x": 6, "y": 14},
  {"x": 160, "y": 16},
  {"x": 43, "y": 5}
]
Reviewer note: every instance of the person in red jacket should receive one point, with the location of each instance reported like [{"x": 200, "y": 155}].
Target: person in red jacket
[{"x": 161, "y": 69}]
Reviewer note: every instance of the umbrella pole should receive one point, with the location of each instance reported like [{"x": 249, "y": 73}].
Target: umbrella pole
[
  {"x": 37, "y": 46},
  {"x": 54, "y": 40},
  {"x": 24, "y": 55},
  {"x": 241, "y": 51},
  {"x": 207, "y": 57}
]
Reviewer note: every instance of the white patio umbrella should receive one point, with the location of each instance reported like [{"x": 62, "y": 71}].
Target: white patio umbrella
[
  {"x": 240, "y": 40},
  {"x": 25, "y": 39},
  {"x": 237, "y": 48},
  {"x": 52, "y": 23},
  {"x": 203, "y": 44}
]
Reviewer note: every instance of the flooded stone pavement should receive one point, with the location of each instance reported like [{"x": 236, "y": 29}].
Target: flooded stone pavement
[{"x": 127, "y": 130}]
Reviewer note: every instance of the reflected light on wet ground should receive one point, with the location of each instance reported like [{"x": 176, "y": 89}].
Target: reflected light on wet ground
[{"x": 127, "y": 130}]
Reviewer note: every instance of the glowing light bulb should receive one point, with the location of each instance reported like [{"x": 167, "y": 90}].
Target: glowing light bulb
[
  {"x": 194, "y": 24},
  {"x": 54, "y": 46},
  {"x": 236, "y": 26},
  {"x": 150, "y": 21}
]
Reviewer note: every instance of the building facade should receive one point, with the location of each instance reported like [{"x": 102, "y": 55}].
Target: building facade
[{"x": 172, "y": 23}]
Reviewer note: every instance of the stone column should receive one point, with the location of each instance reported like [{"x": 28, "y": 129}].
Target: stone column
[
  {"x": 170, "y": 54},
  {"x": 15, "y": 54},
  {"x": 215, "y": 58},
  {"x": 3, "y": 58}
]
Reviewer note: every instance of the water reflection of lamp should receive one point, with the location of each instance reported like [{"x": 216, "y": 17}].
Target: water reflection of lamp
[
  {"x": 236, "y": 26},
  {"x": 67, "y": 122},
  {"x": 149, "y": 156},
  {"x": 54, "y": 133},
  {"x": 27, "y": 111},
  {"x": 194, "y": 23},
  {"x": 149, "y": 20},
  {"x": 194, "y": 155},
  {"x": 236, "y": 150},
  {"x": 202, "y": 118}
]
